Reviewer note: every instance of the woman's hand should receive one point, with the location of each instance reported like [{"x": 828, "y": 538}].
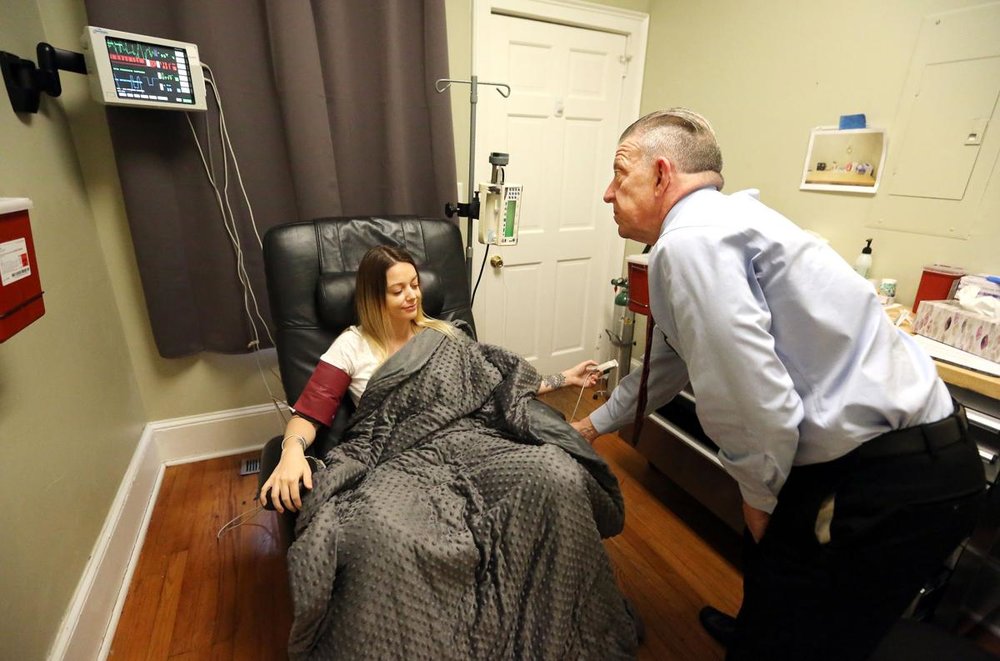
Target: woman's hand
[
  {"x": 283, "y": 484},
  {"x": 579, "y": 376},
  {"x": 582, "y": 376}
]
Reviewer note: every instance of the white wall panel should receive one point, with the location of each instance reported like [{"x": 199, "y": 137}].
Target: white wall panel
[{"x": 572, "y": 281}]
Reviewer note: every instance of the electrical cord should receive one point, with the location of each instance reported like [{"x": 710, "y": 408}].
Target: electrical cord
[
  {"x": 481, "y": 268},
  {"x": 230, "y": 225},
  {"x": 246, "y": 517},
  {"x": 572, "y": 417},
  {"x": 238, "y": 521},
  {"x": 227, "y": 144}
]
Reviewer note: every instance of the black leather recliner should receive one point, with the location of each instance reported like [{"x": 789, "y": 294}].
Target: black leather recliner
[{"x": 310, "y": 269}]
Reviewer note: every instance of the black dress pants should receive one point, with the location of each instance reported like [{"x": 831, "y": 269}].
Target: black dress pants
[{"x": 901, "y": 504}]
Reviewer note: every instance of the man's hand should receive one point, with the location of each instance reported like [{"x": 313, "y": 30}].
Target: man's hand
[
  {"x": 756, "y": 521},
  {"x": 586, "y": 429}
]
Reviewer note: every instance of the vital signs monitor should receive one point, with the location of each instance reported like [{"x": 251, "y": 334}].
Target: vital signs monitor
[{"x": 140, "y": 71}]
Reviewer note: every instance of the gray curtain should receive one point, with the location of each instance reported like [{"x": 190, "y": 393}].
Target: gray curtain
[{"x": 332, "y": 111}]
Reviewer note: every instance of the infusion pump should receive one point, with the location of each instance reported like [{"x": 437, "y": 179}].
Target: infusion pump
[{"x": 499, "y": 213}]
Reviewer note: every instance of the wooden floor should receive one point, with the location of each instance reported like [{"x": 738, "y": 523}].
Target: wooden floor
[{"x": 194, "y": 596}]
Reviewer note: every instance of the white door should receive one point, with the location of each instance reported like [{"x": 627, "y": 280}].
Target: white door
[{"x": 552, "y": 299}]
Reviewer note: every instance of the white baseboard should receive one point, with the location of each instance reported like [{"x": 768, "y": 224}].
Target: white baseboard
[{"x": 89, "y": 624}]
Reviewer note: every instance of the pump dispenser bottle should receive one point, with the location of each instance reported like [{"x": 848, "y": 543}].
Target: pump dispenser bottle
[{"x": 864, "y": 260}]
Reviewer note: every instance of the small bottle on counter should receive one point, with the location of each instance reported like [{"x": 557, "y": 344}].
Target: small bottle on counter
[{"x": 864, "y": 261}]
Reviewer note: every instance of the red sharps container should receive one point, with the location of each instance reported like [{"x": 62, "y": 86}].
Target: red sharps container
[{"x": 936, "y": 283}]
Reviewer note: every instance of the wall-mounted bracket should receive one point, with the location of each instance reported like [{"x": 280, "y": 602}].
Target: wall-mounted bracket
[{"x": 25, "y": 81}]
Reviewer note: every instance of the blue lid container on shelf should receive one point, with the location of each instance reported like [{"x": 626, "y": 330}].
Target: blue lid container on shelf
[{"x": 853, "y": 122}]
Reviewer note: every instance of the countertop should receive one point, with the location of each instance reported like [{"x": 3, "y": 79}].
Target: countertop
[{"x": 984, "y": 384}]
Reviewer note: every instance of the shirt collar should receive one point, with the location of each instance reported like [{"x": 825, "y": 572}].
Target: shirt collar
[{"x": 683, "y": 202}]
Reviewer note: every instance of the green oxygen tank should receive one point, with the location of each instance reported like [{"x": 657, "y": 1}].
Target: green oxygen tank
[
  {"x": 622, "y": 335},
  {"x": 621, "y": 287}
]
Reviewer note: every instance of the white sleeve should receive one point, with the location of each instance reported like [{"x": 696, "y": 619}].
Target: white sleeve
[{"x": 343, "y": 353}]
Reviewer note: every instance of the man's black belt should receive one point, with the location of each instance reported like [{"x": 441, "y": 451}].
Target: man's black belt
[{"x": 922, "y": 438}]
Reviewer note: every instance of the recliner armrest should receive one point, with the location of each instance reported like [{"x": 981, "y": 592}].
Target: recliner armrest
[{"x": 326, "y": 439}]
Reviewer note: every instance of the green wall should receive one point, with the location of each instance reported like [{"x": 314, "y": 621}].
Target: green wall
[
  {"x": 78, "y": 386},
  {"x": 70, "y": 407},
  {"x": 766, "y": 73}
]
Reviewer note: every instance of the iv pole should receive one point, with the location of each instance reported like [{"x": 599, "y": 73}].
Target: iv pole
[{"x": 469, "y": 210}]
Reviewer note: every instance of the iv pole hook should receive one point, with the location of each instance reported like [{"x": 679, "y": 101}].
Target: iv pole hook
[{"x": 503, "y": 90}]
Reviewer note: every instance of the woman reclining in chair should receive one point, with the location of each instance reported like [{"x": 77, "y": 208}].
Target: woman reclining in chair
[{"x": 459, "y": 517}]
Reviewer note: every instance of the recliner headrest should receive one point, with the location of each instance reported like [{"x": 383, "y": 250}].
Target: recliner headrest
[
  {"x": 433, "y": 293},
  {"x": 335, "y": 298}
]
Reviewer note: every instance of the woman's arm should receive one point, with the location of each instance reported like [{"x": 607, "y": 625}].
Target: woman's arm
[
  {"x": 580, "y": 376},
  {"x": 316, "y": 406},
  {"x": 283, "y": 484}
]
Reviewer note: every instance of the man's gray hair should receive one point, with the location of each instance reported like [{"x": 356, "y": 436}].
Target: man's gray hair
[{"x": 682, "y": 135}]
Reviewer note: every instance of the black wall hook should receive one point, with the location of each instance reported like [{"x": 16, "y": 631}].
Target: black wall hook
[{"x": 25, "y": 82}]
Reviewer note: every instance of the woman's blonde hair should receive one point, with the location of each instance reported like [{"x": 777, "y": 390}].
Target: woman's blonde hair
[{"x": 370, "y": 291}]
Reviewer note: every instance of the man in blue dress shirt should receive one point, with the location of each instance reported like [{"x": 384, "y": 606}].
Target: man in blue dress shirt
[{"x": 856, "y": 472}]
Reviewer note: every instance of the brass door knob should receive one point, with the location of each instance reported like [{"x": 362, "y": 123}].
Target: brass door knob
[{"x": 496, "y": 261}]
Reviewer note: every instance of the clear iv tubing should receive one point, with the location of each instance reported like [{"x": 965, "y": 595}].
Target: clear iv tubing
[{"x": 572, "y": 417}]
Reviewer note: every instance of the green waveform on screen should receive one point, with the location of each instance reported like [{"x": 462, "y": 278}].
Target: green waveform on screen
[{"x": 136, "y": 49}]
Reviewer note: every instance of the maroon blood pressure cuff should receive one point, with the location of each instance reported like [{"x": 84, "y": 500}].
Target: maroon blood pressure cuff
[{"x": 321, "y": 397}]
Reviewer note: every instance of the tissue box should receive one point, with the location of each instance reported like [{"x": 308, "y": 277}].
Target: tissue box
[{"x": 948, "y": 322}]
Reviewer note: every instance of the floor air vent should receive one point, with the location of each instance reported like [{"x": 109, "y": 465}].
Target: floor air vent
[{"x": 249, "y": 466}]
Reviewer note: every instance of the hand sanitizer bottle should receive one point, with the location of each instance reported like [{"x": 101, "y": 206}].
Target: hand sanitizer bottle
[{"x": 864, "y": 260}]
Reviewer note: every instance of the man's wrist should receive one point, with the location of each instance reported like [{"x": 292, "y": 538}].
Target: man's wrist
[{"x": 586, "y": 429}]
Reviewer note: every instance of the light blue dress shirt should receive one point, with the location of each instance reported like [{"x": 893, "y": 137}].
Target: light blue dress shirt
[{"x": 791, "y": 358}]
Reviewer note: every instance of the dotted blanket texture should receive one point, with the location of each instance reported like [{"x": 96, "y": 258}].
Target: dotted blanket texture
[{"x": 460, "y": 518}]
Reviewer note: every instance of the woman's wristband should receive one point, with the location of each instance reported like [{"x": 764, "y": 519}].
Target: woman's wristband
[{"x": 300, "y": 439}]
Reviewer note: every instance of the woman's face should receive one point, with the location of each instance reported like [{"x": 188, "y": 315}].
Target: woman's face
[{"x": 402, "y": 292}]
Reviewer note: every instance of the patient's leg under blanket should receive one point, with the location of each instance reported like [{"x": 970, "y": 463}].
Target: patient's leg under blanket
[
  {"x": 508, "y": 564},
  {"x": 459, "y": 518}
]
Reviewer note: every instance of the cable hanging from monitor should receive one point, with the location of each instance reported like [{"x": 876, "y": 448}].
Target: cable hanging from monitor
[{"x": 230, "y": 223}]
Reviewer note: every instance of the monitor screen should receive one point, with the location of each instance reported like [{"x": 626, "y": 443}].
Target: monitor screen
[
  {"x": 142, "y": 71},
  {"x": 147, "y": 71}
]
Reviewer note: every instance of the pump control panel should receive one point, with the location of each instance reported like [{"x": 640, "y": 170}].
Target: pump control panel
[{"x": 499, "y": 214}]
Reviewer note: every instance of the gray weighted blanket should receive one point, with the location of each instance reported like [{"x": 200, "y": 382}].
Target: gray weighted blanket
[{"x": 460, "y": 518}]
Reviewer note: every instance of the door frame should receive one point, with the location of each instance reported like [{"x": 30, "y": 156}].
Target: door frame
[{"x": 634, "y": 26}]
